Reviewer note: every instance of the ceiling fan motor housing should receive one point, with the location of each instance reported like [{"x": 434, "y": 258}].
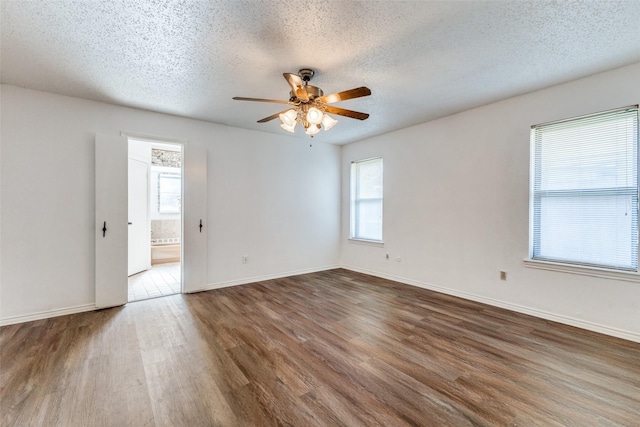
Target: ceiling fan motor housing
[{"x": 312, "y": 91}]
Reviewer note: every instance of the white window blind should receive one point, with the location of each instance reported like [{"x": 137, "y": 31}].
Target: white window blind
[
  {"x": 366, "y": 199},
  {"x": 584, "y": 207}
]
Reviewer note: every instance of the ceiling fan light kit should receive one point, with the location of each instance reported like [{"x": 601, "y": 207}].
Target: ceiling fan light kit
[
  {"x": 314, "y": 116},
  {"x": 312, "y": 130},
  {"x": 288, "y": 119},
  {"x": 310, "y": 106},
  {"x": 328, "y": 122},
  {"x": 288, "y": 128}
]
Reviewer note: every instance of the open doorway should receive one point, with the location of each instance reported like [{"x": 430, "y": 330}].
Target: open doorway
[{"x": 155, "y": 219}]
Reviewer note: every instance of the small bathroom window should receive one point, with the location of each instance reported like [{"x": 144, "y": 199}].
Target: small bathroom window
[{"x": 169, "y": 186}]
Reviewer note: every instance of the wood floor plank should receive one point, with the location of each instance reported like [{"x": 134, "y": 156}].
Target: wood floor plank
[{"x": 333, "y": 348}]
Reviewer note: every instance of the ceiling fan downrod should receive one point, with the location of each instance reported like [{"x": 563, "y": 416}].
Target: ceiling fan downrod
[{"x": 306, "y": 74}]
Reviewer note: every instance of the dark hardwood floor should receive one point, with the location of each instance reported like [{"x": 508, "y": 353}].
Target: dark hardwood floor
[{"x": 323, "y": 349}]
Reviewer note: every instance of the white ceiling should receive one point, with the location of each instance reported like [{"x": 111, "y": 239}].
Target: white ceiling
[{"x": 421, "y": 59}]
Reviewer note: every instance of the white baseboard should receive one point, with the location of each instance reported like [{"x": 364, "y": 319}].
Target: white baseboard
[
  {"x": 88, "y": 307},
  {"x": 247, "y": 280},
  {"x": 46, "y": 314},
  {"x": 606, "y": 330}
]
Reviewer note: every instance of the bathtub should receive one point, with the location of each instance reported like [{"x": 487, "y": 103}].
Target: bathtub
[{"x": 162, "y": 252}]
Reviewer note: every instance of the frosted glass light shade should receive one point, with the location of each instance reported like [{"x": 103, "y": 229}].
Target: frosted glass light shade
[
  {"x": 288, "y": 128},
  {"x": 328, "y": 122},
  {"x": 312, "y": 130},
  {"x": 289, "y": 118},
  {"x": 314, "y": 116}
]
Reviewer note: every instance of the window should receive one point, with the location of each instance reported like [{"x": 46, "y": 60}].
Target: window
[
  {"x": 366, "y": 200},
  {"x": 584, "y": 190},
  {"x": 169, "y": 192}
]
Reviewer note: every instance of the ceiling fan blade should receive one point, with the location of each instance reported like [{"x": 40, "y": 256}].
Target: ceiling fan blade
[
  {"x": 344, "y": 95},
  {"x": 294, "y": 80},
  {"x": 276, "y": 101},
  {"x": 297, "y": 86},
  {"x": 346, "y": 113},
  {"x": 301, "y": 94},
  {"x": 271, "y": 117}
]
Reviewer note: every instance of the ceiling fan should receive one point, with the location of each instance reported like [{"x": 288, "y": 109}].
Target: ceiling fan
[{"x": 310, "y": 107}]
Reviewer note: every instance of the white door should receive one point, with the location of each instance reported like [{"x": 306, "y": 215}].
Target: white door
[
  {"x": 194, "y": 223},
  {"x": 111, "y": 220},
  {"x": 139, "y": 238}
]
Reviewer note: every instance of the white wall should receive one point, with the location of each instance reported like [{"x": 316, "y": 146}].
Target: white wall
[
  {"x": 270, "y": 197},
  {"x": 456, "y": 203}
]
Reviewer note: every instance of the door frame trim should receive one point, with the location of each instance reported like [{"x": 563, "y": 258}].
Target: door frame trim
[{"x": 171, "y": 141}]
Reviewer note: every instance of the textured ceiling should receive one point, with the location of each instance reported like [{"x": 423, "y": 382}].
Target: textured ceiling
[{"x": 421, "y": 59}]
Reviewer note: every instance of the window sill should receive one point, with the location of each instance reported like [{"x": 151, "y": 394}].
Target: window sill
[
  {"x": 627, "y": 276},
  {"x": 375, "y": 243}
]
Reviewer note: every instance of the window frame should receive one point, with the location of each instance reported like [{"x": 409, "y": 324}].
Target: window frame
[
  {"x": 576, "y": 266},
  {"x": 355, "y": 202}
]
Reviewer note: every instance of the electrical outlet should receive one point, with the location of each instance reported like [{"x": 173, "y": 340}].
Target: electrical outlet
[
  {"x": 503, "y": 275},
  {"x": 245, "y": 259}
]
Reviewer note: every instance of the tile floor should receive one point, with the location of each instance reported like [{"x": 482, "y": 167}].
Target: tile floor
[{"x": 161, "y": 280}]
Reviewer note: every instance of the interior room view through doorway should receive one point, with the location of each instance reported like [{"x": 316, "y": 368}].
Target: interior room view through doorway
[{"x": 155, "y": 219}]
